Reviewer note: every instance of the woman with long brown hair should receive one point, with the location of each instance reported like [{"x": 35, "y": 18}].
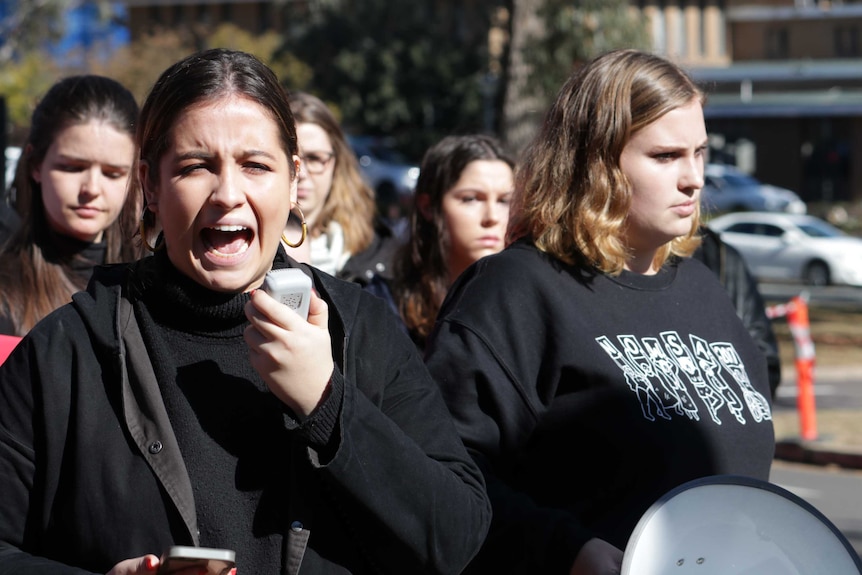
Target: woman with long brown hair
[
  {"x": 72, "y": 198},
  {"x": 348, "y": 239},
  {"x": 460, "y": 212}
]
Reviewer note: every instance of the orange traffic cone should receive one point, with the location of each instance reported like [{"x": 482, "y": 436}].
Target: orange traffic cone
[{"x": 797, "y": 319}]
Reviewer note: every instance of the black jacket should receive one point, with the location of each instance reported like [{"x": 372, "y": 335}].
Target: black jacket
[
  {"x": 375, "y": 260},
  {"x": 91, "y": 474},
  {"x": 9, "y": 222},
  {"x": 728, "y": 264}
]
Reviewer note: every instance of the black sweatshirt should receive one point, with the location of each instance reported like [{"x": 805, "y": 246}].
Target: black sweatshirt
[{"x": 586, "y": 397}]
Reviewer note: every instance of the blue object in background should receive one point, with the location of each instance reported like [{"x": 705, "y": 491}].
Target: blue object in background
[
  {"x": 83, "y": 27},
  {"x": 86, "y": 28}
]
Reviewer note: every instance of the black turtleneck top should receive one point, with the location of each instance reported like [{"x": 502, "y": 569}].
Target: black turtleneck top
[
  {"x": 230, "y": 428},
  {"x": 79, "y": 257}
]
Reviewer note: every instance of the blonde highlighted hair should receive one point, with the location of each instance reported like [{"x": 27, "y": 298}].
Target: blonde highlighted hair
[
  {"x": 571, "y": 196},
  {"x": 350, "y": 201}
]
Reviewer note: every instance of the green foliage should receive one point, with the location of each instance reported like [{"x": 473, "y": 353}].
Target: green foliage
[
  {"x": 22, "y": 83},
  {"x": 413, "y": 70},
  {"x": 28, "y": 24},
  {"x": 576, "y": 32},
  {"x": 266, "y": 47},
  {"x": 139, "y": 64},
  {"x": 410, "y": 70}
]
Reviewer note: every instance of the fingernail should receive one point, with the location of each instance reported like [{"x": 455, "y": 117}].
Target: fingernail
[{"x": 151, "y": 563}]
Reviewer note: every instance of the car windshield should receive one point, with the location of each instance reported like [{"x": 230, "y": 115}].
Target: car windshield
[{"x": 818, "y": 229}]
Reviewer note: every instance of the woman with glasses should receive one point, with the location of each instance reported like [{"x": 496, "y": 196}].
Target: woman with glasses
[{"x": 348, "y": 240}]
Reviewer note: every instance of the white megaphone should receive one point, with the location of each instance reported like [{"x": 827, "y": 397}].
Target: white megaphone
[{"x": 731, "y": 525}]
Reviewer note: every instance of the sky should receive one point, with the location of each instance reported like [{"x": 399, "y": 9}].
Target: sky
[{"x": 83, "y": 28}]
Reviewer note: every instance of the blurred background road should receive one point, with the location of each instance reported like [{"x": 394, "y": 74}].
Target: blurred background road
[{"x": 836, "y": 329}]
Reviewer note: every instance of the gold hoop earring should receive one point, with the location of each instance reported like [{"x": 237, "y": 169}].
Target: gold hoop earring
[
  {"x": 302, "y": 224},
  {"x": 142, "y": 229}
]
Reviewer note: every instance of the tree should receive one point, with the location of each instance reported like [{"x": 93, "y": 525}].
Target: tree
[
  {"x": 522, "y": 106},
  {"x": 410, "y": 70},
  {"x": 28, "y": 25},
  {"x": 550, "y": 38},
  {"x": 28, "y": 29},
  {"x": 23, "y": 82},
  {"x": 139, "y": 64}
]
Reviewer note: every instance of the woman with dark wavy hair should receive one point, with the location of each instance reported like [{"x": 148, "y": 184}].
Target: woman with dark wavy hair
[
  {"x": 460, "y": 212},
  {"x": 593, "y": 366},
  {"x": 72, "y": 198}
]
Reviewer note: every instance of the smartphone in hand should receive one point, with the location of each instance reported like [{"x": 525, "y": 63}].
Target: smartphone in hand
[
  {"x": 178, "y": 559},
  {"x": 290, "y": 286}
]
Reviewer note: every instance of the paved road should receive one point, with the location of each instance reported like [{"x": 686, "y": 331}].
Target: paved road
[
  {"x": 833, "y": 389},
  {"x": 829, "y": 296},
  {"x": 834, "y": 491},
  {"x": 837, "y": 493}
]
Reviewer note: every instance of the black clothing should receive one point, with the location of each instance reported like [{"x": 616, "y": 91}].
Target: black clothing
[
  {"x": 77, "y": 257},
  {"x": 742, "y": 288},
  {"x": 186, "y": 324},
  {"x": 585, "y": 397},
  {"x": 9, "y": 222},
  {"x": 376, "y": 259},
  {"x": 93, "y": 470}
]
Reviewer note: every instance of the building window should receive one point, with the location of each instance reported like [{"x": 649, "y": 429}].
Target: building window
[
  {"x": 203, "y": 15},
  {"x": 680, "y": 35},
  {"x": 266, "y": 17},
  {"x": 178, "y": 17},
  {"x": 155, "y": 16},
  {"x": 846, "y": 41},
  {"x": 659, "y": 37},
  {"x": 776, "y": 43}
]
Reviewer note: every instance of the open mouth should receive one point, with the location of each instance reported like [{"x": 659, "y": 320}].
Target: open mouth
[{"x": 227, "y": 240}]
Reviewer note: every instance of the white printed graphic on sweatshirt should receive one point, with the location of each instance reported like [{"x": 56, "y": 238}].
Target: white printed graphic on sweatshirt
[
  {"x": 638, "y": 382},
  {"x": 658, "y": 371},
  {"x": 755, "y": 401}
]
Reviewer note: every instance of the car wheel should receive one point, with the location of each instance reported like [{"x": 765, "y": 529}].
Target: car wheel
[{"x": 817, "y": 274}]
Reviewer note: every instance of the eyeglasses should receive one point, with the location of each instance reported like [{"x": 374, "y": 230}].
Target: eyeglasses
[{"x": 316, "y": 162}]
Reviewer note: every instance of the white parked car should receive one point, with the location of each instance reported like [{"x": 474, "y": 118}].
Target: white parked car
[
  {"x": 726, "y": 189},
  {"x": 793, "y": 247}
]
